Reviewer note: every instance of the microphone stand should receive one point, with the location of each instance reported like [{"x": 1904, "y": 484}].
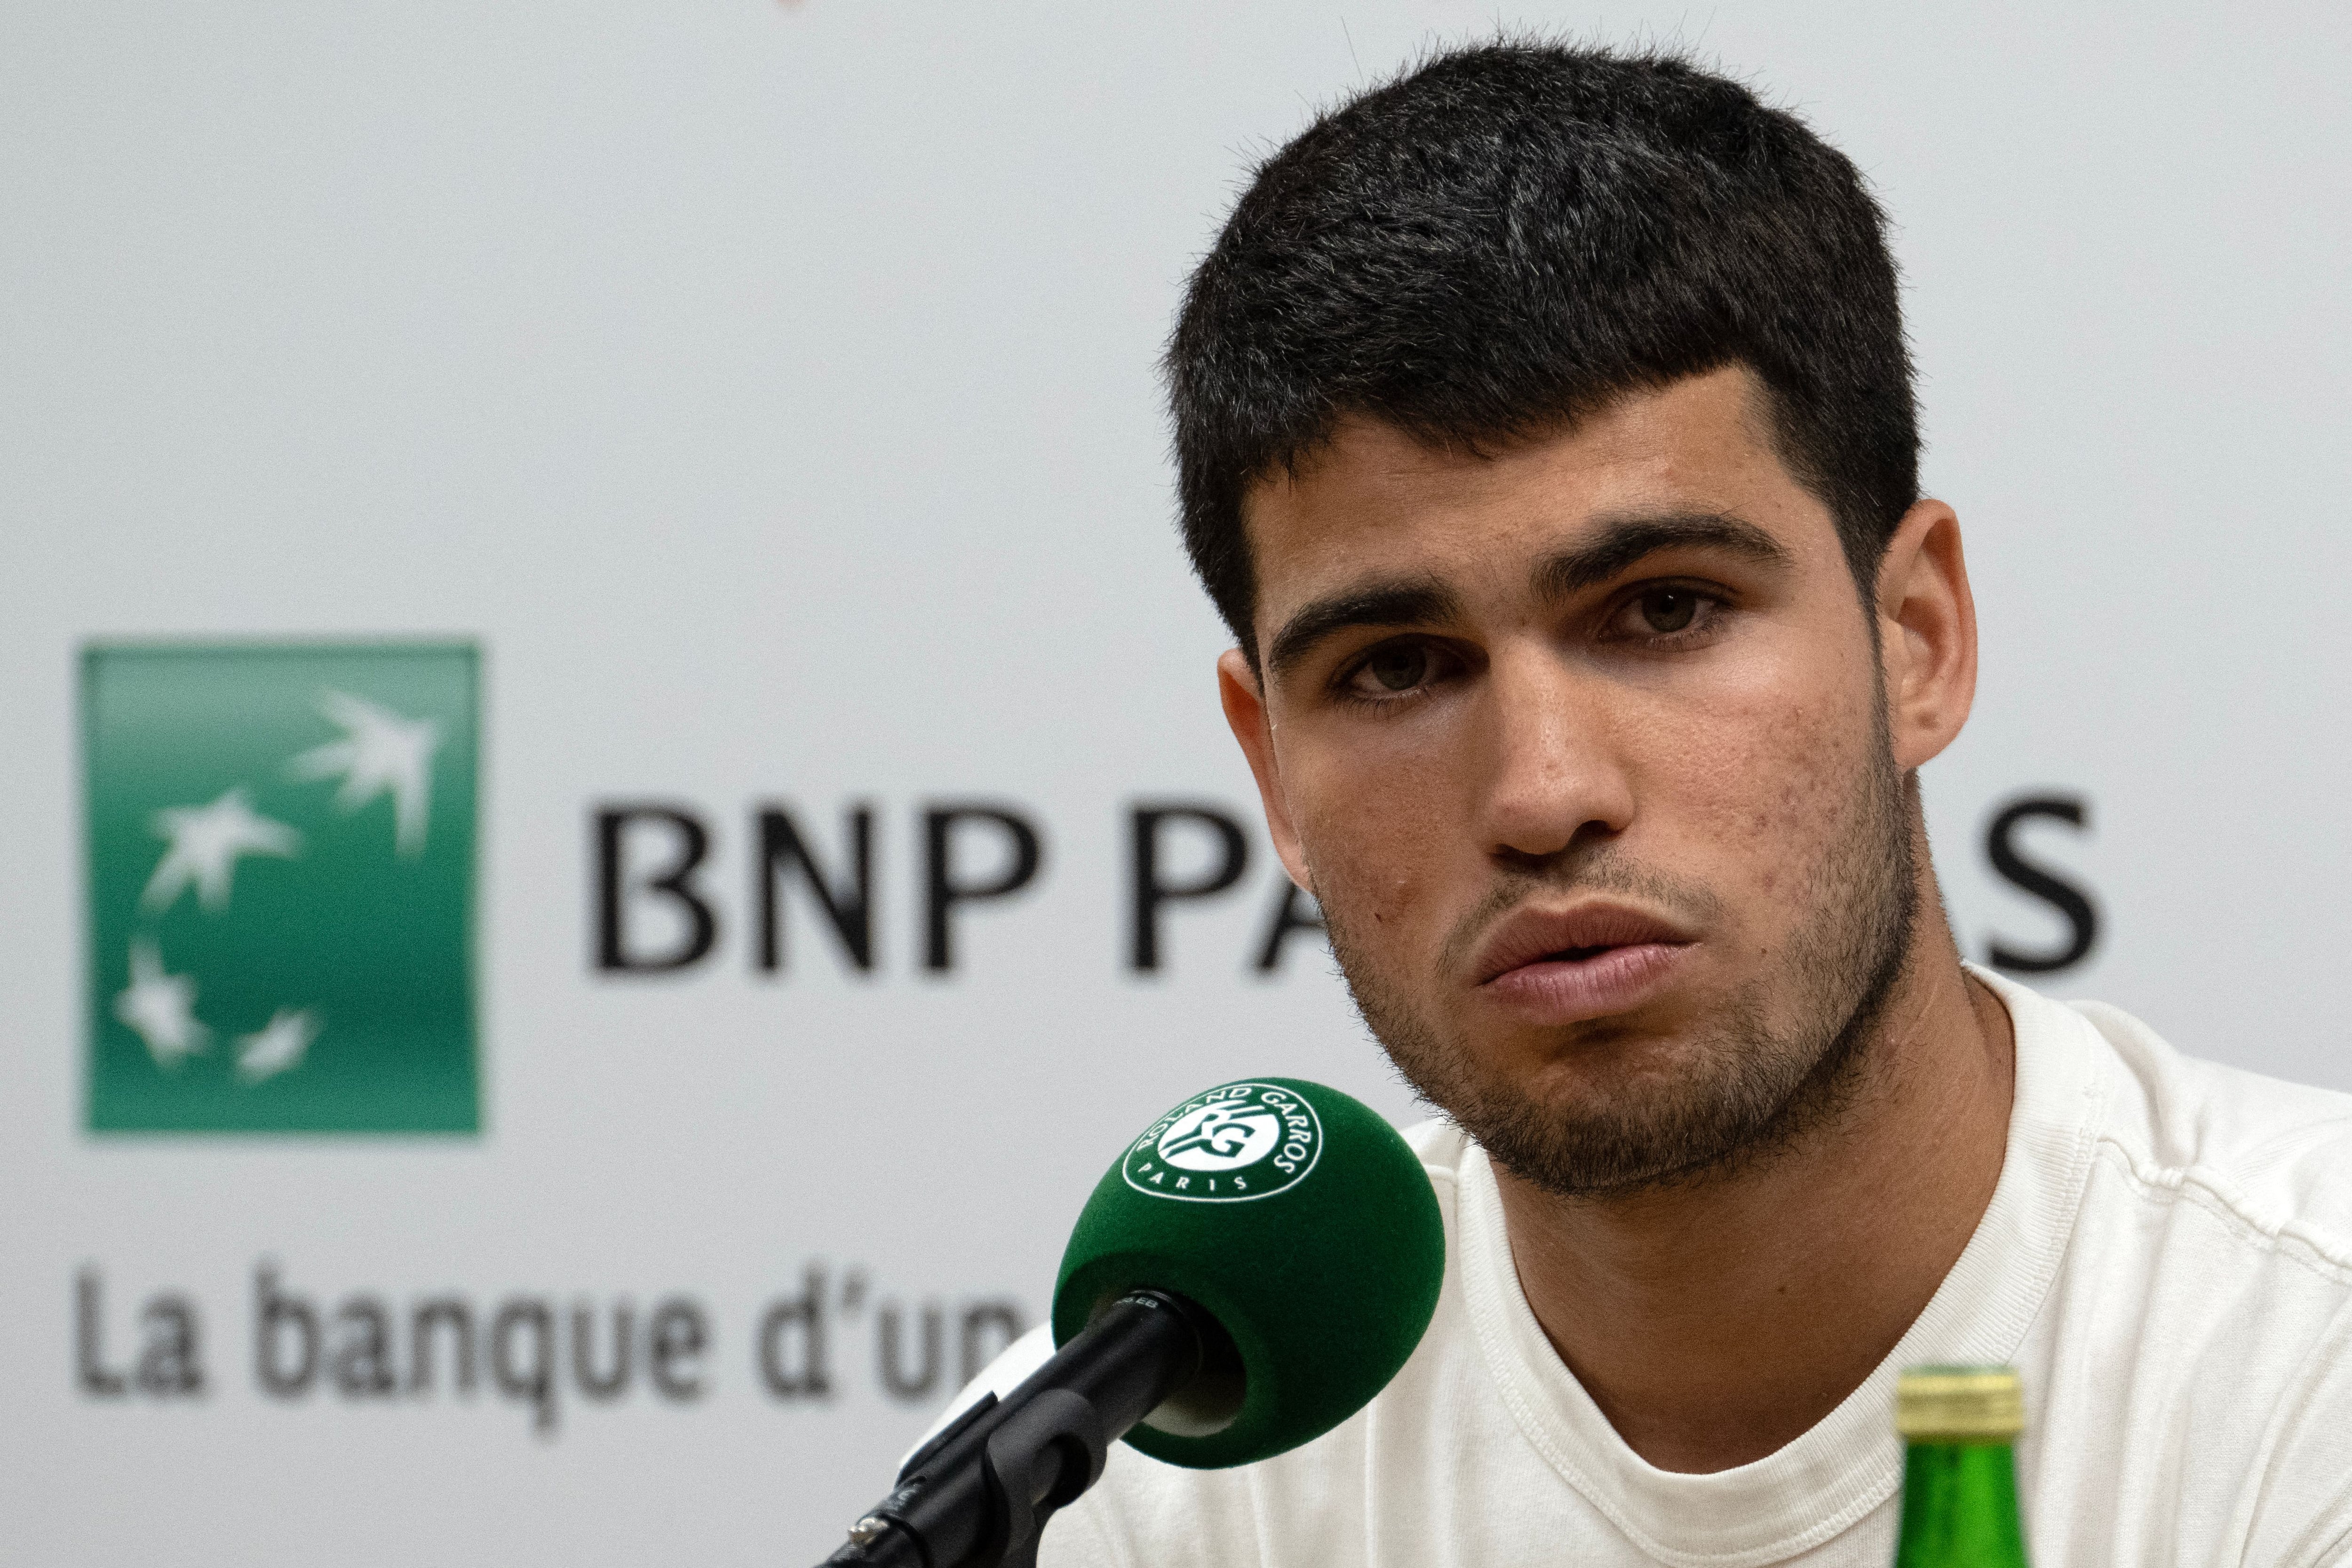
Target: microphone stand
[{"x": 979, "y": 1494}]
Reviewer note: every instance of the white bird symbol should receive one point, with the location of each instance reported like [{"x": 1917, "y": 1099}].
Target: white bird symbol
[
  {"x": 205, "y": 843},
  {"x": 161, "y": 1007},
  {"x": 380, "y": 751},
  {"x": 278, "y": 1046}
]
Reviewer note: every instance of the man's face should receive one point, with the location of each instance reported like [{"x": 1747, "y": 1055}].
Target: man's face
[{"x": 1583, "y": 749}]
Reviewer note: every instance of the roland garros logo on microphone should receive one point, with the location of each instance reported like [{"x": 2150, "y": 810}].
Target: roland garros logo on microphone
[{"x": 1235, "y": 1142}]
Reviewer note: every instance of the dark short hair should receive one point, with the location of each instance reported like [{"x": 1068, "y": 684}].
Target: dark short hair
[{"x": 1513, "y": 235}]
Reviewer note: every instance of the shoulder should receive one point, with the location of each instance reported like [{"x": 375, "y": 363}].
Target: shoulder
[{"x": 2272, "y": 1158}]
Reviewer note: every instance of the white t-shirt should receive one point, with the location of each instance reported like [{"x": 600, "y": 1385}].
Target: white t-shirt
[{"x": 2166, "y": 1260}]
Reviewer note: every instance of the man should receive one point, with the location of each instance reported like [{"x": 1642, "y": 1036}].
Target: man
[{"x": 1546, "y": 436}]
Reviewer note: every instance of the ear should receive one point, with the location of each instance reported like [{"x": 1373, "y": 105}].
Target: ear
[
  {"x": 1926, "y": 632},
  {"x": 1246, "y": 710}
]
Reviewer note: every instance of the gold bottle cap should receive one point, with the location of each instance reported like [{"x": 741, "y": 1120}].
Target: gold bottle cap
[{"x": 1959, "y": 1405}]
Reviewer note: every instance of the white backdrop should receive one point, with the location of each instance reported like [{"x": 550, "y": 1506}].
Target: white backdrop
[{"x": 769, "y": 390}]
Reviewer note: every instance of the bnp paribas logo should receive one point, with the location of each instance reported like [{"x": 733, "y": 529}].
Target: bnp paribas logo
[{"x": 281, "y": 883}]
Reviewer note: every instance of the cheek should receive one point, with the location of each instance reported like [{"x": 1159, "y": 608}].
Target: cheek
[
  {"x": 1376, "y": 832},
  {"x": 1755, "y": 789}
]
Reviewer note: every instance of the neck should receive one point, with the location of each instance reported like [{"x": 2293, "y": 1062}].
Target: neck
[{"x": 1715, "y": 1321}]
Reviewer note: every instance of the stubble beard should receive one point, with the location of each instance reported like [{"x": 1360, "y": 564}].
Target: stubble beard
[{"x": 1748, "y": 1088}]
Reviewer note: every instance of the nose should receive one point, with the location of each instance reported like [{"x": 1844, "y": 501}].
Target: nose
[{"x": 1553, "y": 779}]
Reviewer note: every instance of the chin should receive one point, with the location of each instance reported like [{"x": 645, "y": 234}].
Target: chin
[{"x": 1606, "y": 1060}]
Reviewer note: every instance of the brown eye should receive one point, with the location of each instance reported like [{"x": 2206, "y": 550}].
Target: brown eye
[
  {"x": 1399, "y": 669},
  {"x": 1668, "y": 610}
]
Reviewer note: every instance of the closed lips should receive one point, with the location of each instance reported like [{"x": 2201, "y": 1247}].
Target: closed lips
[{"x": 1571, "y": 936}]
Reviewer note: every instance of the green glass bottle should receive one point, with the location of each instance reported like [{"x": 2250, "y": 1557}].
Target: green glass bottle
[{"x": 1959, "y": 1425}]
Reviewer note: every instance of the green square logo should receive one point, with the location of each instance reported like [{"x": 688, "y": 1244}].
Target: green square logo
[{"x": 281, "y": 879}]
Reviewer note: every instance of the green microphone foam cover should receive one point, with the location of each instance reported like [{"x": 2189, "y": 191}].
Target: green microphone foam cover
[{"x": 1301, "y": 1221}]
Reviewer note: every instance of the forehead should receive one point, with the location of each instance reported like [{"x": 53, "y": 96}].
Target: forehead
[{"x": 1375, "y": 500}]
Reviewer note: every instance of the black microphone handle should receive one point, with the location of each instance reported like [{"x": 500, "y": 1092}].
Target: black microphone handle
[{"x": 978, "y": 1494}]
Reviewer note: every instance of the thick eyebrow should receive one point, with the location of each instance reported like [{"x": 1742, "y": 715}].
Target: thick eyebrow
[
  {"x": 1620, "y": 543},
  {"x": 1404, "y": 601}
]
